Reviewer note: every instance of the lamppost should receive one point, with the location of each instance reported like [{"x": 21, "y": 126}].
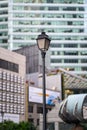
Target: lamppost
[
  {"x": 2, "y": 114},
  {"x": 43, "y": 42}
]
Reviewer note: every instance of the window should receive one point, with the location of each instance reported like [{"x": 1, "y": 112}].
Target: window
[
  {"x": 4, "y": 5},
  {"x": 71, "y": 61},
  {"x": 30, "y": 109},
  {"x": 64, "y": 126},
  {"x": 31, "y": 120},
  {"x": 9, "y": 65},
  {"x": 74, "y": 15},
  {"x": 39, "y": 110},
  {"x": 83, "y": 45},
  {"x": 4, "y": 40},
  {"x": 55, "y": 45},
  {"x": 84, "y": 53},
  {"x": 70, "y": 53},
  {"x": 84, "y": 68},
  {"x": 81, "y": 9},
  {"x": 84, "y": 61},
  {"x": 51, "y": 126},
  {"x": 81, "y": 30},
  {"x": 56, "y": 60},
  {"x": 37, "y": 121},
  {"x": 70, "y": 45},
  {"x": 69, "y": 23}
]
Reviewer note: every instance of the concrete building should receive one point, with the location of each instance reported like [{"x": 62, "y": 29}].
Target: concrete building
[
  {"x": 54, "y": 122},
  {"x": 12, "y": 86},
  {"x": 33, "y": 59},
  {"x": 64, "y": 21},
  {"x": 35, "y": 95}
]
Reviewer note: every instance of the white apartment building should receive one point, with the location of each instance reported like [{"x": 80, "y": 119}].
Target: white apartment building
[
  {"x": 12, "y": 86},
  {"x": 65, "y": 21}
]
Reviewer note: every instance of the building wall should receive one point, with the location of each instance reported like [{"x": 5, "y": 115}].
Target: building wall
[
  {"x": 4, "y": 23},
  {"x": 15, "y": 58},
  {"x": 53, "y": 81},
  {"x": 35, "y": 108},
  {"x": 32, "y": 58},
  {"x": 12, "y": 83}
]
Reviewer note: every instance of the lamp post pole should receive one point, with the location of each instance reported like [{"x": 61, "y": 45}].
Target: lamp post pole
[
  {"x": 2, "y": 114},
  {"x": 44, "y": 91},
  {"x": 43, "y": 42}
]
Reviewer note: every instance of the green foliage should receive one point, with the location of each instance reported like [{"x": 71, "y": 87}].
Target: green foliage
[
  {"x": 10, "y": 125},
  {"x": 84, "y": 125}
]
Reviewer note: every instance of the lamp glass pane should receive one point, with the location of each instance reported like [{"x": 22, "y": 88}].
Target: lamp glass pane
[
  {"x": 41, "y": 43},
  {"x": 47, "y": 43}
]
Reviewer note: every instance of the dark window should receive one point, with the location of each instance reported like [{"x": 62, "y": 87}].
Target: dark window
[
  {"x": 55, "y": 45},
  {"x": 70, "y": 45},
  {"x": 15, "y": 67},
  {"x": 4, "y": 41},
  {"x": 70, "y": 53},
  {"x": 84, "y": 61},
  {"x": 56, "y": 60},
  {"x": 81, "y": 30},
  {"x": 71, "y": 8},
  {"x": 83, "y": 53},
  {"x": 4, "y": 5},
  {"x": 85, "y": 38},
  {"x": 31, "y": 120},
  {"x": 69, "y": 23},
  {"x": 83, "y": 45},
  {"x": 30, "y": 109},
  {"x": 81, "y": 9},
  {"x": 9, "y": 65},
  {"x": 70, "y": 61},
  {"x": 84, "y": 68},
  {"x": 37, "y": 121},
  {"x": 49, "y": 1},
  {"x": 65, "y": 126},
  {"x": 39, "y": 109},
  {"x": 51, "y": 126},
  {"x": 74, "y": 15}
]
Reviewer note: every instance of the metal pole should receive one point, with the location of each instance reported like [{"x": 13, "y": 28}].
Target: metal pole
[
  {"x": 44, "y": 91},
  {"x": 2, "y": 114}
]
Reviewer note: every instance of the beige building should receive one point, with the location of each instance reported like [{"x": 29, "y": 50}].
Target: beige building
[
  {"x": 53, "y": 88},
  {"x": 54, "y": 122},
  {"x": 12, "y": 85}
]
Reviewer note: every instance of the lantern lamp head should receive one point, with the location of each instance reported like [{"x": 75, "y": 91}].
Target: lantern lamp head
[{"x": 43, "y": 42}]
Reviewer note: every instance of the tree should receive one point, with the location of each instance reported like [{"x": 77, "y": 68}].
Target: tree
[{"x": 10, "y": 125}]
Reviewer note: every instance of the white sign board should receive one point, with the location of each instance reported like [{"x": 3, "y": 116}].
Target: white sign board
[
  {"x": 12, "y": 117},
  {"x": 36, "y": 95}
]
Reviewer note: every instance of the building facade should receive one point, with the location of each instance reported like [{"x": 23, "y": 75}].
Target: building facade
[
  {"x": 64, "y": 21},
  {"x": 35, "y": 95},
  {"x": 12, "y": 86},
  {"x": 32, "y": 58}
]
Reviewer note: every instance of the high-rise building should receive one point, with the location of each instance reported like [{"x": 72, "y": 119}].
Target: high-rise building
[{"x": 65, "y": 21}]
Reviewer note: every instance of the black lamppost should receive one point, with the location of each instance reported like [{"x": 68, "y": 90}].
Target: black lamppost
[
  {"x": 2, "y": 114},
  {"x": 43, "y": 42}
]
